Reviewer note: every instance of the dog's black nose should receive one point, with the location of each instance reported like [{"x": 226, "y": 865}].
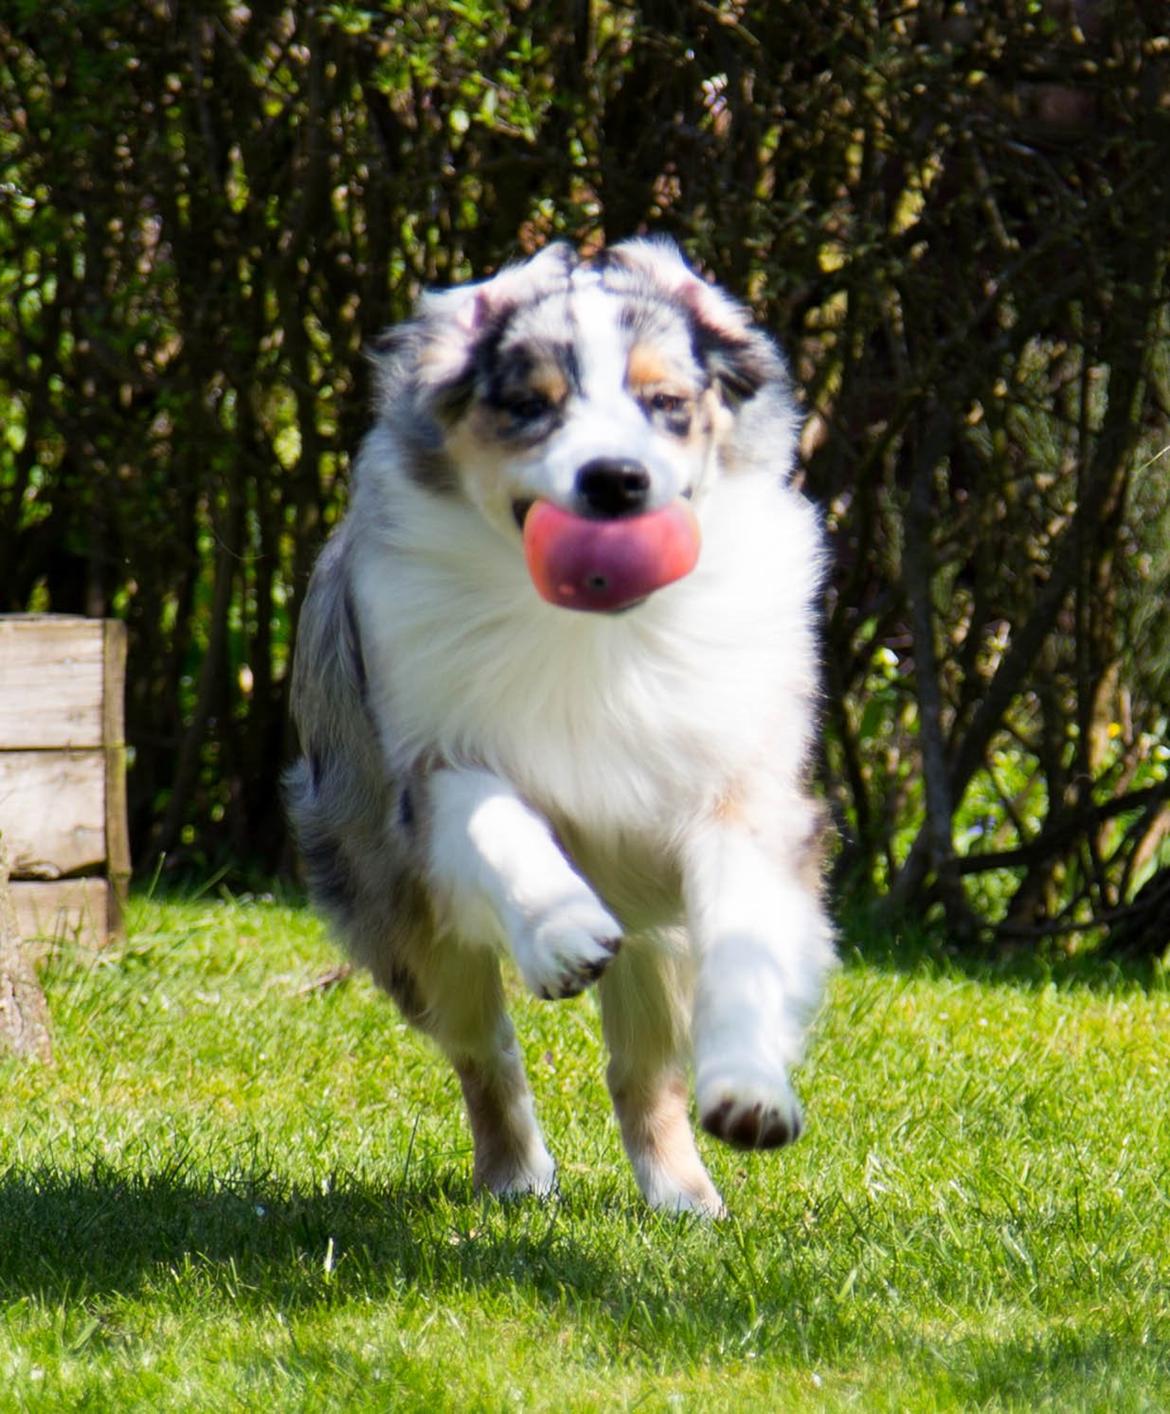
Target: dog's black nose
[{"x": 611, "y": 488}]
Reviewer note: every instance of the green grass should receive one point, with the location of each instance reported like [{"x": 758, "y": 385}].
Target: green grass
[{"x": 238, "y": 1189}]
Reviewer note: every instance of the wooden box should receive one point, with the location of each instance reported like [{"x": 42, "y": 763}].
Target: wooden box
[{"x": 63, "y": 774}]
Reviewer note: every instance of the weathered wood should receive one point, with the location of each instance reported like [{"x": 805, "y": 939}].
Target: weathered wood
[
  {"x": 63, "y": 774},
  {"x": 53, "y": 683},
  {"x": 78, "y": 911},
  {"x": 114, "y": 739},
  {"x": 24, "y": 1017},
  {"x": 53, "y": 811}
]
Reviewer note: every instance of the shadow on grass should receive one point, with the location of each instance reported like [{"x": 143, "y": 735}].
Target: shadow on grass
[
  {"x": 257, "y": 1242},
  {"x": 661, "y": 1289},
  {"x": 104, "y": 1231},
  {"x": 668, "y": 1293}
]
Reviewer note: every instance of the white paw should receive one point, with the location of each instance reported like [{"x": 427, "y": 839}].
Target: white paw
[
  {"x": 536, "y": 1176},
  {"x": 568, "y": 946},
  {"x": 701, "y": 1199},
  {"x": 749, "y": 1105}
]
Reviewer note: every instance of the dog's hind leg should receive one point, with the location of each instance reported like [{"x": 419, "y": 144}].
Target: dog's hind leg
[
  {"x": 462, "y": 1007},
  {"x": 645, "y": 1005},
  {"x": 452, "y": 992}
]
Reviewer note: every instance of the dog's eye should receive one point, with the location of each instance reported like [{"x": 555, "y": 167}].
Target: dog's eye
[
  {"x": 527, "y": 407},
  {"x": 670, "y": 411}
]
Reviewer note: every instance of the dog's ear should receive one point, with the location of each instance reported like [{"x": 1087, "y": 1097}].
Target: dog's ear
[
  {"x": 740, "y": 357},
  {"x": 437, "y": 349},
  {"x": 743, "y": 363}
]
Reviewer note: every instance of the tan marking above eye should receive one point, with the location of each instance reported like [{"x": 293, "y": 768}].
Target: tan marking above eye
[
  {"x": 655, "y": 383},
  {"x": 646, "y": 368},
  {"x": 549, "y": 382}
]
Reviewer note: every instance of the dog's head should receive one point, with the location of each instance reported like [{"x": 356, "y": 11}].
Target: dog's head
[{"x": 611, "y": 387}]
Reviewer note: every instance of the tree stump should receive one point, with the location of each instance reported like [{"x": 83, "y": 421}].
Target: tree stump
[{"x": 24, "y": 1017}]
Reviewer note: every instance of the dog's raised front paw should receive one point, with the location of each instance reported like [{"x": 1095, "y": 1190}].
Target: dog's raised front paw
[
  {"x": 570, "y": 946},
  {"x": 749, "y": 1107}
]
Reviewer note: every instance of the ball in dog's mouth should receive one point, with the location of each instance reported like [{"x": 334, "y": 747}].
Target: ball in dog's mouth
[{"x": 602, "y": 566}]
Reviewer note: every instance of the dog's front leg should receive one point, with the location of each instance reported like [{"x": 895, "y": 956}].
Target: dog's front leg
[
  {"x": 495, "y": 867},
  {"x": 763, "y": 948}
]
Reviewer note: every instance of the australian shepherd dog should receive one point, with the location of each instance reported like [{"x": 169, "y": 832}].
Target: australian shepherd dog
[{"x": 555, "y": 687}]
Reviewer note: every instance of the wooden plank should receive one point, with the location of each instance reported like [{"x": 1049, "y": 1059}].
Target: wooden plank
[
  {"x": 67, "y": 910},
  {"x": 53, "y": 682},
  {"x": 53, "y": 811},
  {"x": 114, "y": 735},
  {"x": 24, "y": 1017},
  {"x": 114, "y": 682}
]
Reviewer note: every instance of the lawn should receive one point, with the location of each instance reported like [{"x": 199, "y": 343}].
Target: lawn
[{"x": 245, "y": 1184}]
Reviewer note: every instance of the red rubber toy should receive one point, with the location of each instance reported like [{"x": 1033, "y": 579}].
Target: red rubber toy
[{"x": 604, "y": 565}]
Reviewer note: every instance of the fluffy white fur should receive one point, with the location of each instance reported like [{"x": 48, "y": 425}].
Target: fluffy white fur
[{"x": 603, "y": 796}]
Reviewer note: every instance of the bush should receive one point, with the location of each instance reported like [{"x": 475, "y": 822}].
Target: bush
[{"x": 956, "y": 221}]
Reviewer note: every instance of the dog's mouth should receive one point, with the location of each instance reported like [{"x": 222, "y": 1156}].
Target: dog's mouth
[{"x": 604, "y": 566}]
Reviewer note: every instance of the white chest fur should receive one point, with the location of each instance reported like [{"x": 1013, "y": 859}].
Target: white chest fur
[{"x": 610, "y": 722}]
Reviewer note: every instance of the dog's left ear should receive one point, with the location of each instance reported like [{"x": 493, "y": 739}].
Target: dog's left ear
[{"x": 740, "y": 357}]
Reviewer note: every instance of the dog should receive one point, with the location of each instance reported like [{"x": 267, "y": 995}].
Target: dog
[{"x": 614, "y": 791}]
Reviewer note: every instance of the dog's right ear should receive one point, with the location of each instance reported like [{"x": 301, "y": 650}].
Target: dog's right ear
[
  {"x": 437, "y": 349},
  {"x": 738, "y": 355}
]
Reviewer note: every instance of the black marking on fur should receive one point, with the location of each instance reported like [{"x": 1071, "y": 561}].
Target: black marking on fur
[
  {"x": 621, "y": 275},
  {"x": 511, "y": 387},
  {"x": 492, "y": 371},
  {"x": 605, "y": 260},
  {"x": 354, "y": 644},
  {"x": 417, "y": 416},
  {"x": 433, "y": 410},
  {"x": 451, "y": 400},
  {"x": 316, "y": 768},
  {"x": 486, "y": 347},
  {"x": 400, "y": 983},
  {"x": 406, "y": 815},
  {"x": 506, "y": 375},
  {"x": 331, "y": 880},
  {"x": 647, "y": 315},
  {"x": 570, "y": 365},
  {"x": 429, "y": 466},
  {"x": 741, "y": 365},
  {"x": 396, "y": 354}
]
